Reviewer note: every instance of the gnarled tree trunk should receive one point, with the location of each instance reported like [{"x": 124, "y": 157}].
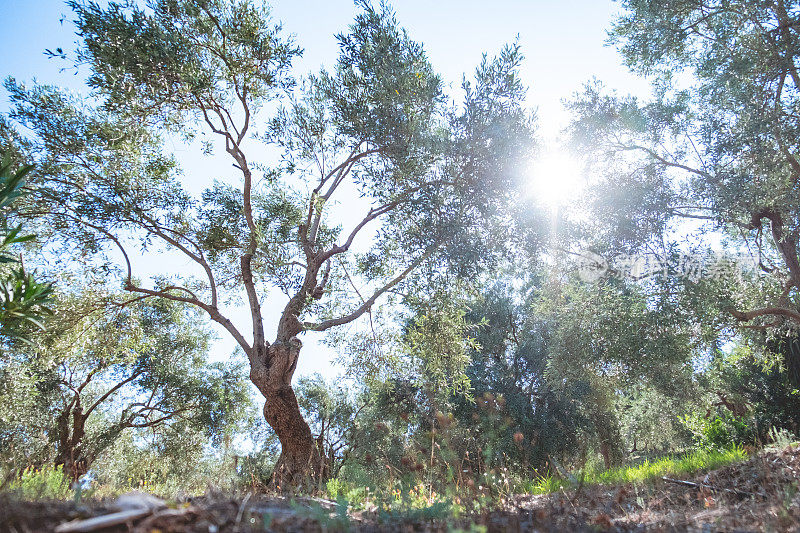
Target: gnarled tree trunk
[
  {"x": 70, "y": 441},
  {"x": 300, "y": 465}
]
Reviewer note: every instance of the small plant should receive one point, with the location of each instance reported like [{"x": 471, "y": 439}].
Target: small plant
[
  {"x": 545, "y": 484},
  {"x": 335, "y": 487},
  {"x": 780, "y": 437},
  {"x": 442, "y": 510},
  {"x": 47, "y": 482}
]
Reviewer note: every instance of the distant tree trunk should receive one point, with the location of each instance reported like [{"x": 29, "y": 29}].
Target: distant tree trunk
[
  {"x": 606, "y": 453},
  {"x": 70, "y": 441}
]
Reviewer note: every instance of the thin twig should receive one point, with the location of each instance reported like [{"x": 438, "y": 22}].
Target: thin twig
[{"x": 709, "y": 487}]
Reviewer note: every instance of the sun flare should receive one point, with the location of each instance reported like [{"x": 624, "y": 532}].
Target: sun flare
[{"x": 555, "y": 179}]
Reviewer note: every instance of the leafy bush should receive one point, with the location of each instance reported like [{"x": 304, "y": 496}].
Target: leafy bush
[
  {"x": 47, "y": 482},
  {"x": 720, "y": 432}
]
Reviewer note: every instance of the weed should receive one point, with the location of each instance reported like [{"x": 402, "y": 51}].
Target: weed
[
  {"x": 544, "y": 484},
  {"x": 781, "y": 438}
]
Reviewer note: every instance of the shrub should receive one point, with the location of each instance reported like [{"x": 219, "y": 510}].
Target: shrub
[
  {"x": 47, "y": 482},
  {"x": 720, "y": 432}
]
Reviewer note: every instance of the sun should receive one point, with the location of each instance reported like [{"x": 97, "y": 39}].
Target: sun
[{"x": 555, "y": 179}]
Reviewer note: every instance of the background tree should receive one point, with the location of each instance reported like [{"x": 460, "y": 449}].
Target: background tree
[
  {"x": 718, "y": 144},
  {"x": 104, "y": 370},
  {"x": 709, "y": 162},
  {"x": 332, "y": 412},
  {"x": 548, "y": 418}
]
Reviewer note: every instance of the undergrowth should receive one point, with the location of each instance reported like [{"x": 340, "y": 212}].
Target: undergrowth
[
  {"x": 418, "y": 504},
  {"x": 50, "y": 482},
  {"x": 46, "y": 482},
  {"x": 692, "y": 462}
]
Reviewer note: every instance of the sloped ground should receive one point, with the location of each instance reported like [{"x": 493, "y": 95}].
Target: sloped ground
[{"x": 760, "y": 494}]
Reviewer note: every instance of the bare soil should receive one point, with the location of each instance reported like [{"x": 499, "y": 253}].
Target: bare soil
[{"x": 760, "y": 494}]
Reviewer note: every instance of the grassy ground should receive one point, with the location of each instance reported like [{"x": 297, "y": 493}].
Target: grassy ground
[
  {"x": 50, "y": 483},
  {"x": 728, "y": 491},
  {"x": 689, "y": 463}
]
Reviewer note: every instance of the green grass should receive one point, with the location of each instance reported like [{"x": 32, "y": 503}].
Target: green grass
[
  {"x": 692, "y": 462},
  {"x": 545, "y": 485},
  {"x": 47, "y": 482}
]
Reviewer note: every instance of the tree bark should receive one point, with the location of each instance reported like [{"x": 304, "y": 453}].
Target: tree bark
[
  {"x": 300, "y": 465},
  {"x": 74, "y": 466},
  {"x": 605, "y": 451},
  {"x": 70, "y": 441}
]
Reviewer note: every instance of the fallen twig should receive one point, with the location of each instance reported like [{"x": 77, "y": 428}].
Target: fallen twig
[
  {"x": 709, "y": 487},
  {"x": 146, "y": 524},
  {"x": 240, "y": 514},
  {"x": 133, "y": 505},
  {"x": 102, "y": 522}
]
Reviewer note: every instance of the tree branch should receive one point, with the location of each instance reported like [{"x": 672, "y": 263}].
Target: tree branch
[
  {"x": 364, "y": 307},
  {"x": 746, "y": 316}
]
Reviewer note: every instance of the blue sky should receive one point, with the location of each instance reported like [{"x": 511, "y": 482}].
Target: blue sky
[{"x": 563, "y": 41}]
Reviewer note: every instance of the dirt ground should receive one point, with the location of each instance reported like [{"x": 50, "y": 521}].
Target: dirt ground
[{"x": 760, "y": 494}]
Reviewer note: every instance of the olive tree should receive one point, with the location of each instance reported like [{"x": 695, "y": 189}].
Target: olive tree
[
  {"x": 432, "y": 177},
  {"x": 103, "y": 369},
  {"x": 718, "y": 143}
]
